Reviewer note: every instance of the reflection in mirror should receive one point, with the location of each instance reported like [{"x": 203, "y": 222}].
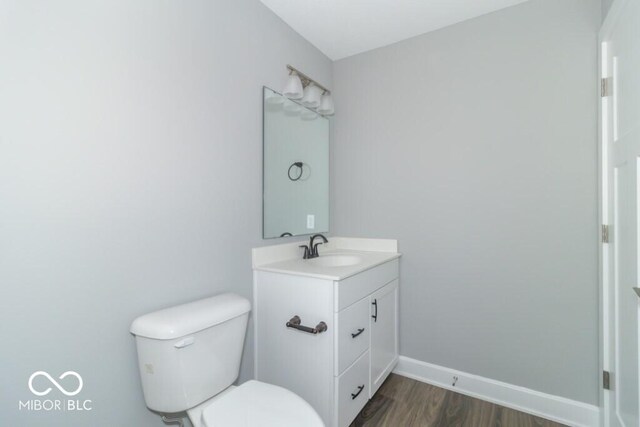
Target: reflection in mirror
[{"x": 296, "y": 168}]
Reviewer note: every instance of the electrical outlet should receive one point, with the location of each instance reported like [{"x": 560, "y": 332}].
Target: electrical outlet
[{"x": 311, "y": 222}]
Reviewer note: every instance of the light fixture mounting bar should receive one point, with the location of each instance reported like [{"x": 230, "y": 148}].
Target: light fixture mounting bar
[{"x": 306, "y": 80}]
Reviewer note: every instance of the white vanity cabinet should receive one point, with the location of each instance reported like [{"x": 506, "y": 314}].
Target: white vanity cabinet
[{"x": 337, "y": 370}]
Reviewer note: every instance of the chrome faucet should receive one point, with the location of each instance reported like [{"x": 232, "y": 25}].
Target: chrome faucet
[{"x": 311, "y": 251}]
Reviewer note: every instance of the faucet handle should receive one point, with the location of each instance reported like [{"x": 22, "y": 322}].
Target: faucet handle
[
  {"x": 306, "y": 251},
  {"x": 314, "y": 251}
]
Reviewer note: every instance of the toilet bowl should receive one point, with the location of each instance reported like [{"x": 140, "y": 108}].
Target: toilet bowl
[
  {"x": 189, "y": 357},
  {"x": 255, "y": 404}
]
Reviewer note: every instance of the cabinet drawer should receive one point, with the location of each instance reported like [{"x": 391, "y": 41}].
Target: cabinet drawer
[
  {"x": 352, "y": 337},
  {"x": 356, "y": 287},
  {"x": 352, "y": 391}
]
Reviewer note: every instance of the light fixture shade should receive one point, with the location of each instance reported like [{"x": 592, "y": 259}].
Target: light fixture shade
[
  {"x": 312, "y": 96},
  {"x": 326, "y": 105},
  {"x": 308, "y": 115},
  {"x": 292, "y": 108},
  {"x": 274, "y": 99},
  {"x": 293, "y": 88}
]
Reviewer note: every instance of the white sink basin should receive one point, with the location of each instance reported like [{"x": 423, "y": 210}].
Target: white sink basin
[{"x": 336, "y": 260}]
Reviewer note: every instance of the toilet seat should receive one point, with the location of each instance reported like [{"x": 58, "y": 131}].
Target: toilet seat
[{"x": 258, "y": 404}]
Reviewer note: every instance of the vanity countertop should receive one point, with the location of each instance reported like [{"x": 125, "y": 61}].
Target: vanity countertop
[{"x": 341, "y": 258}]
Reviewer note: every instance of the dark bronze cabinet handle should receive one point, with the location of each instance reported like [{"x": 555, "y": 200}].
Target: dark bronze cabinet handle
[
  {"x": 354, "y": 395},
  {"x": 361, "y": 330},
  {"x": 295, "y": 323},
  {"x": 375, "y": 304}
]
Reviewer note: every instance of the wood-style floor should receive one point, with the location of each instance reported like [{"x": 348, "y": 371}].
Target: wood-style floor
[{"x": 403, "y": 402}]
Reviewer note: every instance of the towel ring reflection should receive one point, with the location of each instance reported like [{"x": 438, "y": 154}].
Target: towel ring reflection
[{"x": 298, "y": 165}]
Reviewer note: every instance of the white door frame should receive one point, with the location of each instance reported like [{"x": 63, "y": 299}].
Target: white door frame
[
  {"x": 604, "y": 137},
  {"x": 603, "y": 281}
]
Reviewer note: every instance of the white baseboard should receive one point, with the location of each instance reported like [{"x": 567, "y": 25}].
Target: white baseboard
[{"x": 555, "y": 408}]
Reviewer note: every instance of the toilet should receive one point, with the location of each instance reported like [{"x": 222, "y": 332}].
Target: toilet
[{"x": 189, "y": 357}]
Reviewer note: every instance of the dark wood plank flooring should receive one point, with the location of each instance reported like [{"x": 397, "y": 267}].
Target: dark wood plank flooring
[{"x": 403, "y": 402}]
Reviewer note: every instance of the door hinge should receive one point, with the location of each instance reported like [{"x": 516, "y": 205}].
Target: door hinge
[
  {"x": 606, "y": 380},
  {"x": 606, "y": 84},
  {"x": 605, "y": 233}
]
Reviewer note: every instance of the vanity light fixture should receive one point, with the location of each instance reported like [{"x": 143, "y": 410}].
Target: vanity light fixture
[
  {"x": 274, "y": 99},
  {"x": 293, "y": 88},
  {"x": 326, "y": 105},
  {"x": 312, "y": 94},
  {"x": 308, "y": 115},
  {"x": 292, "y": 108}
]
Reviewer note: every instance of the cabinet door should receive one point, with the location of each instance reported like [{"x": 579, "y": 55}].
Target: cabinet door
[
  {"x": 298, "y": 361},
  {"x": 384, "y": 334}
]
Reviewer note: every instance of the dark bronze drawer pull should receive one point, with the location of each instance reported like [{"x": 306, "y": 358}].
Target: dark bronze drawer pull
[
  {"x": 361, "y": 330},
  {"x": 354, "y": 395},
  {"x": 375, "y": 304},
  {"x": 295, "y": 323}
]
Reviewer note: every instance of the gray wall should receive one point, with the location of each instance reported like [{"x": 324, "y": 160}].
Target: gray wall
[
  {"x": 606, "y": 5},
  {"x": 130, "y": 180},
  {"x": 475, "y": 146}
]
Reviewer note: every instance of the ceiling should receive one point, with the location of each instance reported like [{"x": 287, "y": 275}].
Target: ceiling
[{"x": 341, "y": 28}]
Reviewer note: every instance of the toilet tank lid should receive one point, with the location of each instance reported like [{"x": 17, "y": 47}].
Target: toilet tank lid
[{"x": 185, "y": 319}]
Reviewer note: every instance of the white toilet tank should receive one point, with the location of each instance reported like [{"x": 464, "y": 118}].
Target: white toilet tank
[{"x": 191, "y": 352}]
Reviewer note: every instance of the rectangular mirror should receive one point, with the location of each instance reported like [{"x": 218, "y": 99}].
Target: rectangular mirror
[{"x": 295, "y": 168}]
